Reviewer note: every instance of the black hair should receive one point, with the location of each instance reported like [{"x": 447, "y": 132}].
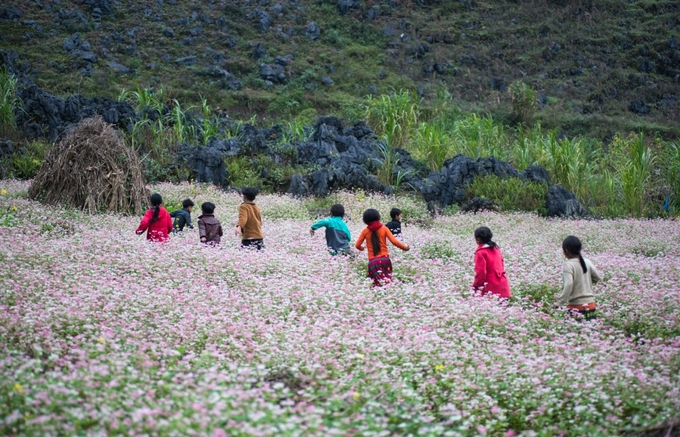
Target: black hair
[
  {"x": 156, "y": 201},
  {"x": 573, "y": 245},
  {"x": 208, "y": 207},
  {"x": 187, "y": 203},
  {"x": 485, "y": 234},
  {"x": 372, "y": 215},
  {"x": 337, "y": 210},
  {"x": 250, "y": 193},
  {"x": 394, "y": 213}
]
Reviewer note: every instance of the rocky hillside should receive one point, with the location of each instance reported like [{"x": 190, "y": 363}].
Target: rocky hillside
[{"x": 599, "y": 66}]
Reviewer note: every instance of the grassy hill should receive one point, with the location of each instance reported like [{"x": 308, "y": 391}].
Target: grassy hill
[{"x": 599, "y": 67}]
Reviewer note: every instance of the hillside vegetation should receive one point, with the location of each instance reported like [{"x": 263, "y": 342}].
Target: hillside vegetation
[{"x": 598, "y": 67}]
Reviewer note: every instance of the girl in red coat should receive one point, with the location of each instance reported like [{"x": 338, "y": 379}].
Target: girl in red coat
[
  {"x": 490, "y": 274},
  {"x": 156, "y": 220}
]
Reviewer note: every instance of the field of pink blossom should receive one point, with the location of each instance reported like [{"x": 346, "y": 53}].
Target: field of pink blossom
[{"x": 104, "y": 333}]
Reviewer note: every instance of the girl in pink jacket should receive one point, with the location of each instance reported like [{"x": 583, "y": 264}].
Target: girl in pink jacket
[{"x": 490, "y": 274}]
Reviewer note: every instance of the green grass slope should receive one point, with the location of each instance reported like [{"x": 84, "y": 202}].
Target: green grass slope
[{"x": 590, "y": 61}]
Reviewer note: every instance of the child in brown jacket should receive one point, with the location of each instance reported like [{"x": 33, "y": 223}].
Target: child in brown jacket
[
  {"x": 249, "y": 226},
  {"x": 209, "y": 228}
]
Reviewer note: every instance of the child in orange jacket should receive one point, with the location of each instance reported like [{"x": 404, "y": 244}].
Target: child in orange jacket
[{"x": 376, "y": 236}]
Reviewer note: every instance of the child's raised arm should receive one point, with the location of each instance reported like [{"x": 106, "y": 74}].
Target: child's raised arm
[
  {"x": 320, "y": 224},
  {"x": 144, "y": 224},
  {"x": 359, "y": 244},
  {"x": 396, "y": 242}
]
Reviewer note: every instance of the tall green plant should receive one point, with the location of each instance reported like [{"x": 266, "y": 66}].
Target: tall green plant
[
  {"x": 180, "y": 124},
  {"x": 431, "y": 144},
  {"x": 635, "y": 176},
  {"x": 9, "y": 102},
  {"x": 524, "y": 102},
  {"x": 388, "y": 163},
  {"x": 673, "y": 178},
  {"x": 394, "y": 116},
  {"x": 478, "y": 137},
  {"x": 210, "y": 123}
]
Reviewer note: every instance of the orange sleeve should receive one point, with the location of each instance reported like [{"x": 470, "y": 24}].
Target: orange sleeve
[
  {"x": 394, "y": 240},
  {"x": 361, "y": 239}
]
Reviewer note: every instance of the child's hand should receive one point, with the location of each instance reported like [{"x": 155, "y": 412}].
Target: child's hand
[
  {"x": 139, "y": 232},
  {"x": 361, "y": 247},
  {"x": 238, "y": 231},
  {"x": 407, "y": 248},
  {"x": 203, "y": 239},
  {"x": 311, "y": 232}
]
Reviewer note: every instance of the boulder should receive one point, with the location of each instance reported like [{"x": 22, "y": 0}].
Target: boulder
[
  {"x": 638, "y": 106},
  {"x": 344, "y": 6},
  {"x": 535, "y": 173},
  {"x": 207, "y": 163},
  {"x": 273, "y": 73},
  {"x": 119, "y": 68},
  {"x": 258, "y": 51},
  {"x": 561, "y": 202},
  {"x": 313, "y": 31},
  {"x": 478, "y": 204},
  {"x": 10, "y": 13},
  {"x": 105, "y": 6}
]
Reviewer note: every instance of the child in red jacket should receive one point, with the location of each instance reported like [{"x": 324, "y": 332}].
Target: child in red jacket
[
  {"x": 156, "y": 220},
  {"x": 490, "y": 274}
]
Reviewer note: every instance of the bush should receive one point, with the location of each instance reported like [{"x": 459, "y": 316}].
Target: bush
[
  {"x": 9, "y": 102},
  {"x": 510, "y": 194},
  {"x": 524, "y": 103},
  {"x": 26, "y": 165}
]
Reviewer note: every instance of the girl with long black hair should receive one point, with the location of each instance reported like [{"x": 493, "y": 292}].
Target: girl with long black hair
[
  {"x": 578, "y": 274},
  {"x": 376, "y": 235},
  {"x": 157, "y": 221}
]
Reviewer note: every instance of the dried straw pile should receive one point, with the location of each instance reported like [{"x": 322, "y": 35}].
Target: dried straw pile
[{"x": 92, "y": 169}]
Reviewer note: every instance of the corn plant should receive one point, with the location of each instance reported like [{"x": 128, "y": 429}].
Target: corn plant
[
  {"x": 9, "y": 102},
  {"x": 210, "y": 124},
  {"x": 387, "y": 163},
  {"x": 395, "y": 116},
  {"x": 635, "y": 176},
  {"x": 477, "y": 137},
  {"x": 431, "y": 144},
  {"x": 180, "y": 125}
]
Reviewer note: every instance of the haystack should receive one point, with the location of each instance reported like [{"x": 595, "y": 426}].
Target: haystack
[{"x": 92, "y": 169}]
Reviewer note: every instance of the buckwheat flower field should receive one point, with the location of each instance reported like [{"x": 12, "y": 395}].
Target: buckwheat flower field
[{"x": 104, "y": 333}]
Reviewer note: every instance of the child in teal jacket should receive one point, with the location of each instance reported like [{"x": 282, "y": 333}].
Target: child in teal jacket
[{"x": 337, "y": 232}]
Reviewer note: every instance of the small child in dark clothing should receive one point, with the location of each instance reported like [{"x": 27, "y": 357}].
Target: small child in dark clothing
[
  {"x": 209, "y": 228},
  {"x": 395, "y": 225},
  {"x": 182, "y": 217}
]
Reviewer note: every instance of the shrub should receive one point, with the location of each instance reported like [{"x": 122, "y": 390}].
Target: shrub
[
  {"x": 524, "y": 103},
  {"x": 26, "y": 165},
  {"x": 510, "y": 194},
  {"x": 9, "y": 102}
]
